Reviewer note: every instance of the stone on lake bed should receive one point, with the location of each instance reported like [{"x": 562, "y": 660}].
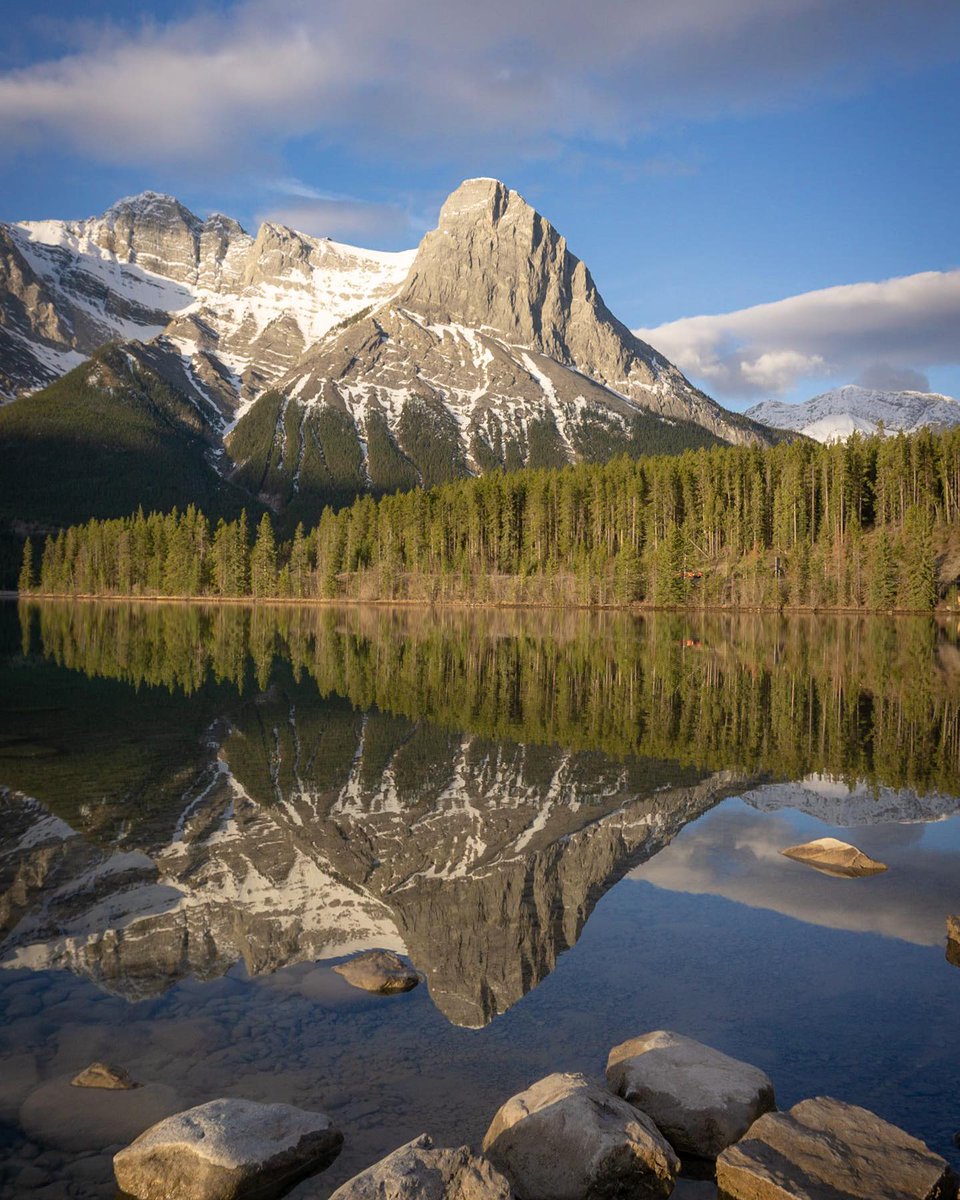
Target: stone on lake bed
[
  {"x": 830, "y": 855},
  {"x": 103, "y": 1075},
  {"x": 700, "y": 1099},
  {"x": 824, "y": 1149},
  {"x": 418, "y": 1171},
  {"x": 58, "y": 1115},
  {"x": 379, "y": 971},
  {"x": 227, "y": 1150},
  {"x": 953, "y": 941},
  {"x": 567, "y": 1138}
]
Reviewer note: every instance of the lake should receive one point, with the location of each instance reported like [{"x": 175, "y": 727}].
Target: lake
[{"x": 570, "y": 822}]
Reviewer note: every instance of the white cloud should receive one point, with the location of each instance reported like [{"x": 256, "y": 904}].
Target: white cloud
[
  {"x": 390, "y": 76},
  {"x": 344, "y": 219},
  {"x": 887, "y": 331}
]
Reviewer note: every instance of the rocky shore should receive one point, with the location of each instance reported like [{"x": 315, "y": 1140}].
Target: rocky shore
[{"x": 669, "y": 1107}]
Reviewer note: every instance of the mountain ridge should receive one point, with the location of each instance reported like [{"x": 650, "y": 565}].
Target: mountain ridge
[{"x": 836, "y": 414}]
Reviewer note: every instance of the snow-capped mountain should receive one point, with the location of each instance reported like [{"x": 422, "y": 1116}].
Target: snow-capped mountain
[
  {"x": 323, "y": 368},
  {"x": 835, "y": 415},
  {"x": 237, "y": 310}
]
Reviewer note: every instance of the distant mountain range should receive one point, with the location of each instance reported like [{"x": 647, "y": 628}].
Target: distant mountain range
[
  {"x": 153, "y": 357},
  {"x": 835, "y": 415}
]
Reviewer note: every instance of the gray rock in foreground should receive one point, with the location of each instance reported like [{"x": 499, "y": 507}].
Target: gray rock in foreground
[
  {"x": 379, "y": 971},
  {"x": 227, "y": 1150},
  {"x": 417, "y": 1171},
  {"x": 566, "y": 1138},
  {"x": 823, "y": 1149},
  {"x": 835, "y": 858},
  {"x": 103, "y": 1075},
  {"x": 701, "y": 1100}
]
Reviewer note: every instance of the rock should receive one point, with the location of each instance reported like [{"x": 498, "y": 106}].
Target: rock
[
  {"x": 103, "y": 1075},
  {"x": 227, "y": 1150},
  {"x": 953, "y": 940},
  {"x": 823, "y": 1149},
  {"x": 834, "y": 857},
  {"x": 566, "y": 1138},
  {"x": 419, "y": 1171},
  {"x": 55, "y": 1114},
  {"x": 379, "y": 971},
  {"x": 701, "y": 1100}
]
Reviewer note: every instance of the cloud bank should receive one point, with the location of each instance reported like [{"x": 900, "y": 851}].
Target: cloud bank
[
  {"x": 390, "y": 76},
  {"x": 886, "y": 334}
]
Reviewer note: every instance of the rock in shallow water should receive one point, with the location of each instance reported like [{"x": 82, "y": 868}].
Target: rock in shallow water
[
  {"x": 227, "y": 1150},
  {"x": 379, "y": 971},
  {"x": 417, "y": 1171},
  {"x": 103, "y": 1075},
  {"x": 953, "y": 940},
  {"x": 566, "y": 1138},
  {"x": 834, "y": 857},
  {"x": 701, "y": 1100},
  {"x": 823, "y": 1149}
]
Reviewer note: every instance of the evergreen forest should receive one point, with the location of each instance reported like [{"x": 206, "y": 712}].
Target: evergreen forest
[{"x": 870, "y": 523}]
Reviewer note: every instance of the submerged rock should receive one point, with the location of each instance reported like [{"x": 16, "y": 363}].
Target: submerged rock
[
  {"x": 103, "y": 1075},
  {"x": 417, "y": 1171},
  {"x": 379, "y": 971},
  {"x": 566, "y": 1138},
  {"x": 701, "y": 1100},
  {"x": 57, "y": 1115},
  {"x": 953, "y": 940},
  {"x": 823, "y": 1149},
  {"x": 834, "y": 857},
  {"x": 227, "y": 1150}
]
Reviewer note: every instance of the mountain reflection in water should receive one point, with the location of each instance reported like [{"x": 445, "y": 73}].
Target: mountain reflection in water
[{"x": 187, "y": 787}]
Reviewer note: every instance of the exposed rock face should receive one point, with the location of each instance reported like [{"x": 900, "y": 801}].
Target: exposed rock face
[
  {"x": 834, "y": 857},
  {"x": 566, "y": 1138},
  {"x": 418, "y": 1171},
  {"x": 953, "y": 940},
  {"x": 497, "y": 351},
  {"x": 226, "y": 310},
  {"x": 227, "y": 1150},
  {"x": 379, "y": 971},
  {"x": 103, "y": 1075},
  {"x": 701, "y": 1100},
  {"x": 823, "y": 1149}
]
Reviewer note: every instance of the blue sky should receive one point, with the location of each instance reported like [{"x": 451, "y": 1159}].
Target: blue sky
[{"x": 704, "y": 157}]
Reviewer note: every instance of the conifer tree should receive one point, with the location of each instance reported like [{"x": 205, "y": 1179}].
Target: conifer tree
[
  {"x": 25, "y": 583},
  {"x": 263, "y": 560}
]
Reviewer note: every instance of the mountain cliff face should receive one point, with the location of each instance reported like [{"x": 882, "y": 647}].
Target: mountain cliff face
[
  {"x": 320, "y": 370},
  {"x": 835, "y": 415}
]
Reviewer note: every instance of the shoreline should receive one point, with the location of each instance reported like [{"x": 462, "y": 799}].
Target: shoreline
[{"x": 636, "y": 609}]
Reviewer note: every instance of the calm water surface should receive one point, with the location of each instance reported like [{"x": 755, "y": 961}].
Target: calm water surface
[{"x": 570, "y": 823}]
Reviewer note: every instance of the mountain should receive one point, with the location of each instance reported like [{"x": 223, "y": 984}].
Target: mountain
[
  {"x": 834, "y": 415},
  {"x": 305, "y": 371}
]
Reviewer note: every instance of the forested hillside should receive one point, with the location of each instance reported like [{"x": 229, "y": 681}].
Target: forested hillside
[{"x": 870, "y": 523}]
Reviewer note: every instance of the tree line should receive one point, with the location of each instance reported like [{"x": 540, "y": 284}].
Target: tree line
[{"x": 871, "y": 523}]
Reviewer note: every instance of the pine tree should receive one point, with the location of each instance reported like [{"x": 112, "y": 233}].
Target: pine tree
[
  {"x": 26, "y": 581},
  {"x": 263, "y": 560},
  {"x": 919, "y": 561},
  {"x": 882, "y": 573}
]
